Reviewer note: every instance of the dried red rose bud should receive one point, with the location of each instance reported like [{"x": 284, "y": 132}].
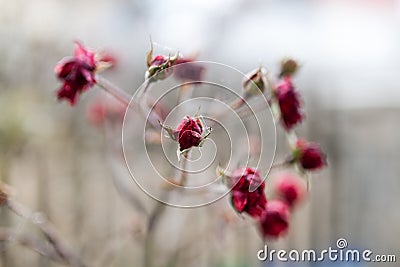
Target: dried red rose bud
[
  {"x": 289, "y": 103},
  {"x": 255, "y": 82},
  {"x": 77, "y": 73},
  {"x": 189, "y": 70},
  {"x": 290, "y": 188},
  {"x": 158, "y": 67},
  {"x": 288, "y": 67},
  {"x": 309, "y": 155},
  {"x": 274, "y": 221},
  {"x": 252, "y": 203},
  {"x": 105, "y": 108},
  {"x": 188, "y": 133}
]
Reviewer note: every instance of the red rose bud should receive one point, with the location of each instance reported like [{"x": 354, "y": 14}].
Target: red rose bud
[
  {"x": 105, "y": 108},
  {"x": 188, "y": 133},
  {"x": 289, "y": 103},
  {"x": 290, "y": 188},
  {"x": 188, "y": 70},
  {"x": 255, "y": 82},
  {"x": 158, "y": 66},
  {"x": 274, "y": 221},
  {"x": 309, "y": 155},
  {"x": 288, "y": 67},
  {"x": 252, "y": 203},
  {"x": 77, "y": 73}
]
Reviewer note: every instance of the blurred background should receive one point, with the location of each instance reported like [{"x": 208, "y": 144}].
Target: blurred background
[{"x": 56, "y": 161}]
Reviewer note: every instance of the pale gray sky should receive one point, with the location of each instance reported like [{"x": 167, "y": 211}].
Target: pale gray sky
[{"x": 350, "y": 50}]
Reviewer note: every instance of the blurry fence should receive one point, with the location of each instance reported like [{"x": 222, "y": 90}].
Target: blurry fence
[{"x": 66, "y": 176}]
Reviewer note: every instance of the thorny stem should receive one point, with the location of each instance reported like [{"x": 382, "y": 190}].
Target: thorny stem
[
  {"x": 281, "y": 164},
  {"x": 182, "y": 180},
  {"x": 154, "y": 119},
  {"x": 112, "y": 89},
  {"x": 308, "y": 181},
  {"x": 238, "y": 103},
  {"x": 122, "y": 96},
  {"x": 117, "y": 175},
  {"x": 180, "y": 95},
  {"x": 147, "y": 84},
  {"x": 235, "y": 105},
  {"x": 183, "y": 92},
  {"x": 31, "y": 242},
  {"x": 243, "y": 110},
  {"x": 49, "y": 232},
  {"x": 156, "y": 214}
]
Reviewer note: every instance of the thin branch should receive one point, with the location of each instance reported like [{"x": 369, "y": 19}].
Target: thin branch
[
  {"x": 7, "y": 234},
  {"x": 242, "y": 109},
  {"x": 125, "y": 98},
  {"x": 114, "y": 90},
  {"x": 282, "y": 164},
  {"x": 122, "y": 187},
  {"x": 156, "y": 214},
  {"x": 151, "y": 225},
  {"x": 182, "y": 180},
  {"x": 49, "y": 232}
]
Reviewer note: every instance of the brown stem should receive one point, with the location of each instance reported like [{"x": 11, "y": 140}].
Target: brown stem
[
  {"x": 30, "y": 242},
  {"x": 118, "y": 180},
  {"x": 180, "y": 95},
  {"x": 232, "y": 106},
  {"x": 114, "y": 90},
  {"x": 243, "y": 112},
  {"x": 156, "y": 214},
  {"x": 49, "y": 232},
  {"x": 282, "y": 164},
  {"x": 125, "y": 98},
  {"x": 242, "y": 109},
  {"x": 238, "y": 103},
  {"x": 183, "y": 89},
  {"x": 151, "y": 225},
  {"x": 182, "y": 180}
]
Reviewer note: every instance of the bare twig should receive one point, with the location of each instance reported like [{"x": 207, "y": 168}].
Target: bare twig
[
  {"x": 156, "y": 214},
  {"x": 125, "y": 98},
  {"x": 113, "y": 89},
  {"x": 7, "y": 234},
  {"x": 279, "y": 165},
  {"x": 122, "y": 187},
  {"x": 151, "y": 225},
  {"x": 63, "y": 251}
]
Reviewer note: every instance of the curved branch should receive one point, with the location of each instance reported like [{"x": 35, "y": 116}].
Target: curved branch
[
  {"x": 48, "y": 230},
  {"x": 30, "y": 242}
]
